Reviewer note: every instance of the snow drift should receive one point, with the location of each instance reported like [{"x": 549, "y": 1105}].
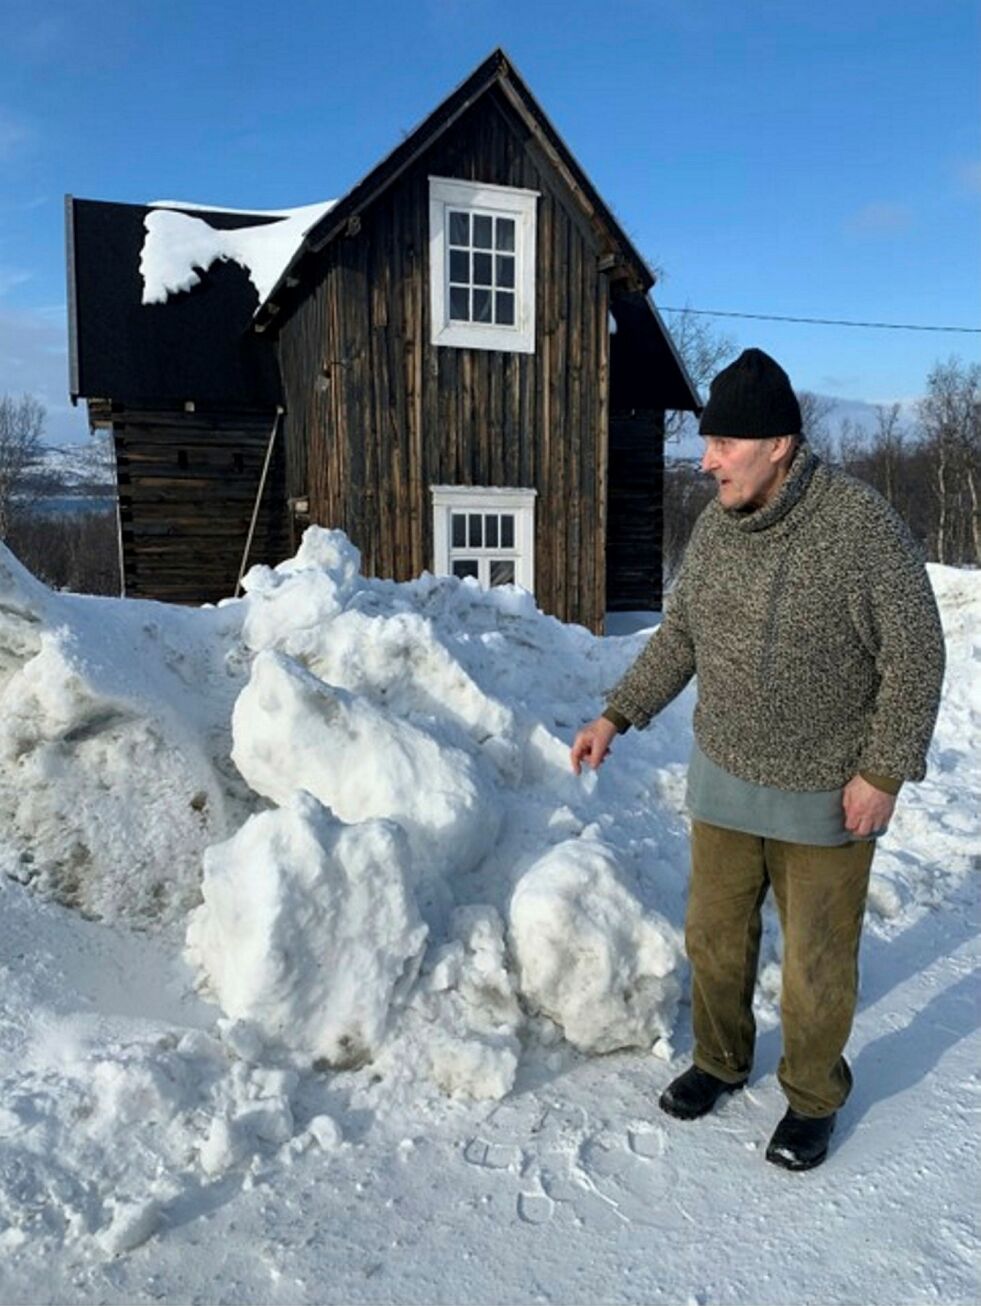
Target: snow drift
[{"x": 394, "y": 784}]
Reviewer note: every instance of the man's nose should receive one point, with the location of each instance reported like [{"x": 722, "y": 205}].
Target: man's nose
[{"x": 708, "y": 460}]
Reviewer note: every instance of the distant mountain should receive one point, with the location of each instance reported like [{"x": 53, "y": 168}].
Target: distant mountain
[{"x": 73, "y": 478}]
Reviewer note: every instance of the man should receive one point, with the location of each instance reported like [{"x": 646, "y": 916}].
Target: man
[{"x": 804, "y": 607}]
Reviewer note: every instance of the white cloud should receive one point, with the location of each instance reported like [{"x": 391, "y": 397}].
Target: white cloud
[
  {"x": 14, "y": 133},
  {"x": 969, "y": 175},
  {"x": 881, "y": 217},
  {"x": 11, "y": 277}
]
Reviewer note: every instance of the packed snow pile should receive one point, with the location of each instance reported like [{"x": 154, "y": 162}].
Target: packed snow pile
[
  {"x": 114, "y": 746},
  {"x": 406, "y": 781}
]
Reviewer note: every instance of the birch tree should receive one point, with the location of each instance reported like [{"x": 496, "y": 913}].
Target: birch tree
[{"x": 21, "y": 429}]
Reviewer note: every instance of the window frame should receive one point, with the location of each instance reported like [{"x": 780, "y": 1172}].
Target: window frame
[
  {"x": 513, "y": 202},
  {"x": 520, "y": 503}
]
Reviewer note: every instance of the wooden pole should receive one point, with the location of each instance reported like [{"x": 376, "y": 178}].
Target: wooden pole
[{"x": 258, "y": 501}]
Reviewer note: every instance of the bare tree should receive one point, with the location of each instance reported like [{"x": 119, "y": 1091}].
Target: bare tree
[
  {"x": 888, "y": 446},
  {"x": 950, "y": 422},
  {"x": 704, "y": 350},
  {"x": 21, "y": 429},
  {"x": 815, "y": 418}
]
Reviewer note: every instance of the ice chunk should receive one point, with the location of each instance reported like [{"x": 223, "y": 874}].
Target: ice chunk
[
  {"x": 308, "y": 930},
  {"x": 589, "y": 956},
  {"x": 292, "y": 732}
]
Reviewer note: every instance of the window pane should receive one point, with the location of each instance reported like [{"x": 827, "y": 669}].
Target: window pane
[
  {"x": 459, "y": 228},
  {"x": 505, "y": 308},
  {"x": 459, "y": 265},
  {"x": 505, "y": 270},
  {"x": 483, "y": 231},
  {"x": 476, "y": 539},
  {"x": 507, "y": 530},
  {"x": 490, "y": 530},
  {"x": 502, "y": 572},
  {"x": 459, "y": 530},
  {"x": 505, "y": 233},
  {"x": 481, "y": 305},
  {"x": 482, "y": 265},
  {"x": 459, "y": 304},
  {"x": 465, "y": 567}
]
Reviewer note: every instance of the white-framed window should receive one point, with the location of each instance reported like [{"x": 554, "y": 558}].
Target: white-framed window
[
  {"x": 482, "y": 265},
  {"x": 486, "y": 533}
]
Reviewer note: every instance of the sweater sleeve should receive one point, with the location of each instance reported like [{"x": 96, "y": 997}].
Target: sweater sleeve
[
  {"x": 898, "y": 618},
  {"x": 666, "y": 663}
]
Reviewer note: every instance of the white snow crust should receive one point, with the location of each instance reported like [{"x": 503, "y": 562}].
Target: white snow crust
[
  {"x": 178, "y": 247},
  {"x": 312, "y": 944}
]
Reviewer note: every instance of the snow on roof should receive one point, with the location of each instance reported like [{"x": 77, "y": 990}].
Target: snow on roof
[{"x": 179, "y": 247}]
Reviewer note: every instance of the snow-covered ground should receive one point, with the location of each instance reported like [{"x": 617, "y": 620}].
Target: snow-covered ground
[{"x": 324, "y": 979}]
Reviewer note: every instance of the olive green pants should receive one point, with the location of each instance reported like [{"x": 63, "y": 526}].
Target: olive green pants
[{"x": 820, "y": 895}]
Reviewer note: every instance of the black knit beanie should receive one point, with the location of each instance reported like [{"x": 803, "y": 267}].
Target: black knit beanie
[{"x": 751, "y": 399}]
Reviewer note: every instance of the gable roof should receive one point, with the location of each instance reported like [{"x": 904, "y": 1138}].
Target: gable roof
[
  {"x": 208, "y": 346},
  {"x": 496, "y": 71}
]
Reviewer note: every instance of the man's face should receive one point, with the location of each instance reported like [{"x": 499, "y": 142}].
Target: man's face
[{"x": 747, "y": 472}]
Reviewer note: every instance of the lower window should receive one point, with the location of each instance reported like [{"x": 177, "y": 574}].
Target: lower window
[{"x": 485, "y": 533}]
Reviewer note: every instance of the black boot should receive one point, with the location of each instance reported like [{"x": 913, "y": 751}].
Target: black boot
[
  {"x": 800, "y": 1142},
  {"x": 694, "y": 1094}
]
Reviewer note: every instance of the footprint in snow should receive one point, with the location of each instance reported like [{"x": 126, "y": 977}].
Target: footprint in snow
[
  {"x": 492, "y": 1156},
  {"x": 535, "y": 1208},
  {"x": 649, "y": 1142}
]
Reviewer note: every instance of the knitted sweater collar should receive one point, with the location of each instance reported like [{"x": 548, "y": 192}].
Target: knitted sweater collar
[{"x": 799, "y": 475}]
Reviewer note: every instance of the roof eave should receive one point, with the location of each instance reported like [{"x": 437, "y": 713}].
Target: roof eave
[
  {"x": 74, "y": 382},
  {"x": 697, "y": 405}
]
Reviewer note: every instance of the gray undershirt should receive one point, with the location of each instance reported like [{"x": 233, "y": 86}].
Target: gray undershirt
[{"x": 813, "y": 816}]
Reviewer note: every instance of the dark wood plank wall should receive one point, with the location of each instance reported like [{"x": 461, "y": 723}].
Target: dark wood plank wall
[
  {"x": 633, "y": 546},
  {"x": 376, "y": 414},
  {"x": 187, "y": 488}
]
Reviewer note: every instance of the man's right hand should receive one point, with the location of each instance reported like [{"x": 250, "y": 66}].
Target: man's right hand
[{"x": 592, "y": 743}]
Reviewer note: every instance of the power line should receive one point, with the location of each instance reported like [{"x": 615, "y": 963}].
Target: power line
[{"x": 820, "y": 321}]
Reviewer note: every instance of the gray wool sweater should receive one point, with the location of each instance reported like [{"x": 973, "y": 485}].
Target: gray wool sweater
[{"x": 812, "y": 628}]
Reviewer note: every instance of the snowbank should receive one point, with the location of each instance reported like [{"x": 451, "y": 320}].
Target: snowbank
[
  {"x": 114, "y": 746},
  {"x": 405, "y": 737}
]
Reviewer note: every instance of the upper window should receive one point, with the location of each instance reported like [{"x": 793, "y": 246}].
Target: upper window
[{"x": 482, "y": 265}]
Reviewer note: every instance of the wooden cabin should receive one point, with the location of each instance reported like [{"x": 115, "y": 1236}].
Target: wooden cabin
[{"x": 460, "y": 366}]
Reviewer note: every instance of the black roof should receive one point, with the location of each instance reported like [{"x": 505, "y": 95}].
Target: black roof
[
  {"x": 646, "y": 370},
  {"x": 196, "y": 346}
]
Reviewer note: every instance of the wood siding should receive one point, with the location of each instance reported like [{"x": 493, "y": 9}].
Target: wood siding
[
  {"x": 376, "y": 414},
  {"x": 187, "y": 488},
  {"x": 633, "y": 547}
]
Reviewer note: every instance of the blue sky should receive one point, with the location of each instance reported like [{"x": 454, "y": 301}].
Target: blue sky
[{"x": 785, "y": 158}]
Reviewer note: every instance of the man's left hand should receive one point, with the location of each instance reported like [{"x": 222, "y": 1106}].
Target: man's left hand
[{"x": 867, "y": 810}]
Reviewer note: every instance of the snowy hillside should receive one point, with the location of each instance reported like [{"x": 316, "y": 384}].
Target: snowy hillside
[{"x": 325, "y": 979}]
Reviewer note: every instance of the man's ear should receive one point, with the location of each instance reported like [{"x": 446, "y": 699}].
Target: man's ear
[{"x": 782, "y": 445}]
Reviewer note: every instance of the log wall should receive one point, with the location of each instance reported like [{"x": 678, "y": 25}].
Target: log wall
[
  {"x": 377, "y": 414},
  {"x": 187, "y": 488},
  {"x": 633, "y": 557}
]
